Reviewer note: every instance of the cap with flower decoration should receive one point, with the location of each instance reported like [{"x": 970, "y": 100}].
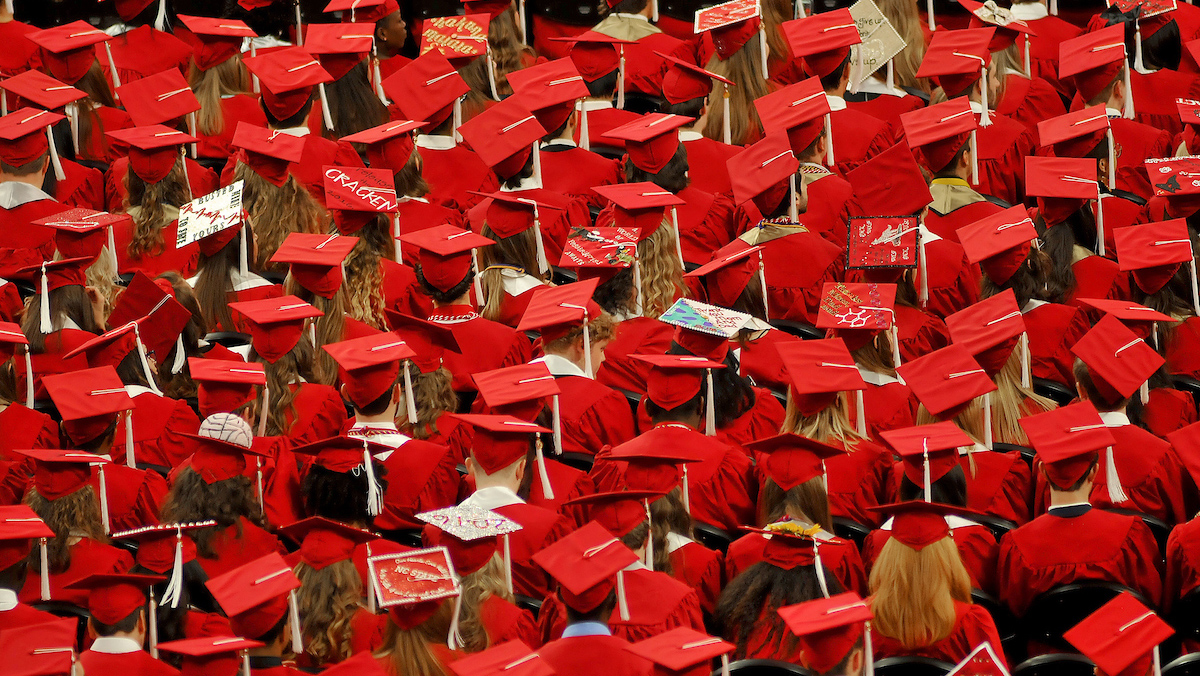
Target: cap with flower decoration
[
  {"x": 511, "y": 658},
  {"x": 159, "y": 98},
  {"x": 154, "y": 150},
  {"x": 946, "y": 380},
  {"x": 413, "y": 585},
  {"x": 43, "y": 90},
  {"x": 389, "y": 145},
  {"x": 504, "y": 136},
  {"x": 817, "y": 371},
  {"x": 731, "y": 25},
  {"x": 208, "y": 655},
  {"x": 213, "y": 40},
  {"x": 792, "y": 459},
  {"x": 68, "y": 51},
  {"x": 288, "y": 77},
  {"x": 683, "y": 648},
  {"x": 1153, "y": 252},
  {"x": 939, "y": 131},
  {"x": 651, "y": 140},
  {"x": 550, "y": 90},
  {"x": 428, "y": 88},
  {"x": 793, "y": 544},
  {"x": 957, "y": 59},
  {"x": 585, "y": 563},
  {"x": 829, "y": 629},
  {"x": 363, "y": 11},
  {"x": 1122, "y": 637},
  {"x": 989, "y": 330},
  {"x": 26, "y": 135},
  {"x": 257, "y": 595},
  {"x": 765, "y": 173},
  {"x": 275, "y": 323},
  {"x": 1118, "y": 361},
  {"x": 446, "y": 254},
  {"x": 822, "y": 40},
  {"x": 928, "y": 452},
  {"x": 224, "y": 385},
  {"x": 1093, "y": 60},
  {"x": 999, "y": 243},
  {"x": 43, "y": 649},
  {"x": 1067, "y": 440},
  {"x": 316, "y": 260},
  {"x": 427, "y": 339},
  {"x": 268, "y": 152}
]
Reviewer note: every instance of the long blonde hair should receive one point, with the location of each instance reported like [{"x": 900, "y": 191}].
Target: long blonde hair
[
  {"x": 831, "y": 424},
  {"x": 364, "y": 272},
  {"x": 228, "y": 78},
  {"x": 477, "y": 588},
  {"x": 277, "y": 211},
  {"x": 907, "y": 21},
  {"x": 408, "y": 652},
  {"x": 518, "y": 251},
  {"x": 914, "y": 591},
  {"x": 662, "y": 273},
  {"x": 328, "y": 598},
  {"x": 1012, "y": 401},
  {"x": 1006, "y": 61},
  {"x": 744, "y": 69}
]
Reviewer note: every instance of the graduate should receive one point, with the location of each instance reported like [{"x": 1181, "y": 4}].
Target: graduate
[
  {"x": 832, "y": 633},
  {"x": 143, "y": 49},
  {"x": 19, "y": 528},
  {"x": 25, "y": 158},
  {"x": 433, "y": 395},
  {"x": 118, "y": 622},
  {"x": 258, "y": 597},
  {"x": 686, "y": 89}
]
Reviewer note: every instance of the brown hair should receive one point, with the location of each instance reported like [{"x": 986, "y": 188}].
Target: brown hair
[
  {"x": 327, "y": 599},
  {"x": 66, "y": 302},
  {"x": 353, "y": 105},
  {"x": 914, "y": 591},
  {"x": 191, "y": 498},
  {"x": 832, "y": 423},
  {"x": 364, "y": 272},
  {"x": 807, "y": 502},
  {"x": 152, "y": 200},
  {"x": 408, "y": 652},
  {"x": 214, "y": 282},
  {"x": 1012, "y": 401},
  {"x": 744, "y": 69},
  {"x": 434, "y": 396},
  {"x": 276, "y": 211},
  {"x": 409, "y": 181},
  {"x": 507, "y": 52},
  {"x": 74, "y": 515},
  {"x": 180, "y": 385},
  {"x": 476, "y": 589},
  {"x": 601, "y": 328},
  {"x": 289, "y": 369},
  {"x": 330, "y": 326},
  {"x": 99, "y": 94},
  {"x": 228, "y": 78},
  {"x": 518, "y": 251}
]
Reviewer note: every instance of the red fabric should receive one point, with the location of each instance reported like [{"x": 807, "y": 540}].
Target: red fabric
[
  {"x": 11, "y": 305},
  {"x": 143, "y": 52},
  {"x": 1181, "y": 347},
  {"x": 920, "y": 332},
  {"x": 972, "y": 626},
  {"x": 511, "y": 307},
  {"x": 22, "y": 243},
  {"x": 320, "y": 413},
  {"x": 976, "y": 545},
  {"x": 573, "y": 214},
  {"x": 1051, "y": 551},
  {"x": 707, "y": 168},
  {"x": 417, "y": 214},
  {"x": 705, "y": 223},
  {"x": 158, "y": 423},
  {"x": 1001, "y": 485},
  {"x": 140, "y": 663},
  {"x": 1135, "y": 143},
  {"x": 540, "y": 527},
  {"x": 797, "y": 267},
  {"x": 182, "y": 260},
  {"x": 1029, "y": 101},
  {"x": 452, "y": 174},
  {"x": 25, "y": 428},
  {"x": 831, "y": 202},
  {"x": 1003, "y": 147},
  {"x": 1043, "y": 49},
  {"x": 1053, "y": 329},
  {"x": 235, "y": 109},
  {"x": 702, "y": 569},
  {"x": 762, "y": 420},
  {"x": 1168, "y": 410},
  {"x": 88, "y": 557},
  {"x": 82, "y": 186},
  {"x": 857, "y": 480},
  {"x": 657, "y": 603},
  {"x": 97, "y": 146},
  {"x": 233, "y": 550},
  {"x": 890, "y": 406},
  {"x": 23, "y": 615},
  {"x": 1154, "y": 97},
  {"x": 487, "y": 345},
  {"x": 639, "y": 335},
  {"x": 567, "y": 482},
  {"x": 593, "y": 415},
  {"x": 886, "y": 107},
  {"x": 135, "y": 496},
  {"x": 401, "y": 290},
  {"x": 594, "y": 656},
  {"x": 840, "y": 557},
  {"x": 310, "y": 170},
  {"x": 504, "y": 621},
  {"x": 758, "y": 360},
  {"x": 1097, "y": 277},
  {"x": 573, "y": 172},
  {"x": 1182, "y": 568},
  {"x": 50, "y": 361},
  {"x": 426, "y": 478},
  {"x": 20, "y": 53},
  {"x": 947, "y": 225},
  {"x": 953, "y": 282},
  {"x": 600, "y": 122},
  {"x": 857, "y": 137}
]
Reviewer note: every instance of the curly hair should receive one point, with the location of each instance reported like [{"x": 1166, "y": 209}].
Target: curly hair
[
  {"x": 477, "y": 587},
  {"x": 180, "y": 385},
  {"x": 409, "y": 651},
  {"x": 227, "y": 502},
  {"x": 69, "y": 516},
  {"x": 434, "y": 397},
  {"x": 327, "y": 599},
  {"x": 751, "y": 600},
  {"x": 290, "y": 368},
  {"x": 330, "y": 326},
  {"x": 662, "y": 273},
  {"x": 506, "y": 51},
  {"x": 277, "y": 211},
  {"x": 364, "y": 272},
  {"x": 151, "y": 215}
]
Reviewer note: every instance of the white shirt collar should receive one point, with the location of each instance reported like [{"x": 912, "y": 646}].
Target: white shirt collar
[
  {"x": 115, "y": 645},
  {"x": 517, "y": 282},
  {"x": 8, "y": 600},
  {"x": 927, "y": 235},
  {"x": 527, "y": 183},
  {"x": 1114, "y": 418},
  {"x": 381, "y": 433},
  {"x": 876, "y": 378},
  {"x": 1113, "y": 113},
  {"x": 294, "y": 131},
  {"x": 135, "y": 390},
  {"x": 686, "y": 135},
  {"x": 411, "y": 198},
  {"x": 874, "y": 86},
  {"x": 675, "y": 542},
  {"x": 559, "y": 366},
  {"x": 14, "y": 194},
  {"x": 636, "y": 565},
  {"x": 1029, "y": 11},
  {"x": 976, "y": 107},
  {"x": 244, "y": 282},
  {"x": 589, "y": 106},
  {"x": 570, "y": 143},
  {"x": 1032, "y": 304},
  {"x": 1069, "y": 504},
  {"x": 432, "y": 142},
  {"x": 835, "y": 102},
  {"x": 493, "y": 497},
  {"x": 623, "y": 15}
]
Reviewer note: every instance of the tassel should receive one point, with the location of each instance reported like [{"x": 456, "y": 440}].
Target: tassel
[
  {"x": 637, "y": 283},
  {"x": 725, "y": 665},
  {"x": 477, "y": 282},
  {"x": 312, "y": 333},
  {"x": 1128, "y": 112},
  {"x": 141, "y": 348},
  {"x": 622, "y": 602},
  {"x": 262, "y": 414},
  {"x": 410, "y": 399},
  {"x": 244, "y": 249},
  {"x": 72, "y": 111},
  {"x": 1195, "y": 290},
  {"x": 458, "y": 119},
  {"x": 927, "y": 484},
  {"x": 1028, "y": 69},
  {"x": 300, "y": 35},
  {"x": 798, "y": 12},
  {"x": 861, "y": 413},
  {"x": 521, "y": 18},
  {"x": 726, "y": 124},
  {"x": 112, "y": 70},
  {"x": 45, "y": 561},
  {"x": 762, "y": 278},
  {"x": 1115, "y": 492},
  {"x": 375, "y": 72},
  {"x": 547, "y": 489},
  {"x": 1138, "y": 64},
  {"x": 653, "y": 10},
  {"x": 1144, "y": 392},
  {"x": 187, "y": 182},
  {"x": 678, "y": 239},
  {"x": 153, "y": 625},
  {"x": 762, "y": 49},
  {"x": 174, "y": 589},
  {"x": 985, "y": 116},
  {"x": 258, "y": 481},
  {"x": 829, "y": 138},
  {"x": 987, "y": 420},
  {"x": 648, "y": 557},
  {"x": 130, "y": 461},
  {"x": 508, "y": 577},
  {"x": 294, "y": 612},
  {"x": 372, "y": 606},
  {"x": 621, "y": 79},
  {"x": 8, "y": 6},
  {"x": 1099, "y": 221},
  {"x": 557, "y": 425},
  {"x": 454, "y": 638},
  {"x": 1026, "y": 370},
  {"x": 793, "y": 209},
  {"x": 1112, "y": 159},
  {"x": 192, "y": 130},
  {"x": 246, "y": 663},
  {"x": 491, "y": 71},
  {"x": 374, "y": 494},
  {"x": 858, "y": 70},
  {"x": 543, "y": 263},
  {"x": 325, "y": 113},
  {"x": 254, "y": 78},
  {"x": 820, "y": 569},
  {"x": 537, "y": 162},
  {"x": 28, "y": 378},
  {"x": 160, "y": 21},
  {"x": 585, "y": 141},
  {"x": 929, "y": 11},
  {"x": 112, "y": 249},
  {"x": 891, "y": 75},
  {"x": 1157, "y": 665},
  {"x": 1154, "y": 335},
  {"x": 396, "y": 237},
  {"x": 180, "y": 355},
  {"x": 895, "y": 345},
  {"x": 868, "y": 648},
  {"x": 54, "y": 160},
  {"x": 687, "y": 500},
  {"x": 974, "y": 159},
  {"x": 104, "y": 516},
  {"x": 710, "y": 406},
  {"x": 587, "y": 348}
]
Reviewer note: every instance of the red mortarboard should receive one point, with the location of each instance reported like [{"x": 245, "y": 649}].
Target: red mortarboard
[
  {"x": 1153, "y": 252},
  {"x": 389, "y": 145},
  {"x": 860, "y": 306},
  {"x": 153, "y": 150},
  {"x": 585, "y": 564},
  {"x": 363, "y": 663},
  {"x": 828, "y": 628},
  {"x": 368, "y": 366},
  {"x": 209, "y": 655},
  {"x": 109, "y": 348},
  {"x": 890, "y": 184},
  {"x": 682, "y": 648},
  {"x": 730, "y": 270},
  {"x": 45, "y": 649},
  {"x": 1118, "y": 361},
  {"x": 817, "y": 370},
  {"x": 45, "y": 91},
  {"x": 730, "y": 25},
  {"x": 10, "y": 337},
  {"x": 798, "y": 109},
  {"x": 946, "y": 380},
  {"x": 268, "y": 152},
  {"x": 355, "y": 194},
  {"x": 159, "y": 98},
  {"x": 58, "y": 473},
  {"x": 1076, "y": 133},
  {"x": 1067, "y": 439},
  {"x": 956, "y": 59},
  {"x": 523, "y": 384},
  {"x": 1126, "y": 311},
  {"x": 80, "y": 233},
  {"x": 1093, "y": 60},
  {"x": 456, "y": 37},
  {"x": 511, "y": 658},
  {"x": 760, "y": 172},
  {"x": 339, "y": 47},
  {"x": 87, "y": 400},
  {"x": 509, "y": 213},
  {"x": 793, "y": 459},
  {"x": 600, "y": 253},
  {"x": 999, "y": 243},
  {"x": 556, "y": 310},
  {"x": 338, "y": 454},
  {"x": 822, "y": 40},
  {"x": 987, "y": 329},
  {"x": 675, "y": 379},
  {"x": 216, "y": 459},
  {"x": 129, "y": 9},
  {"x": 215, "y": 40},
  {"x": 939, "y": 131},
  {"x": 1123, "y": 632},
  {"x": 1007, "y": 26},
  {"x": 426, "y": 88},
  {"x": 288, "y": 77},
  {"x": 445, "y": 253},
  {"x": 503, "y": 136},
  {"x": 493, "y": 8},
  {"x": 917, "y": 523},
  {"x": 160, "y": 316},
  {"x": 550, "y": 90},
  {"x": 160, "y": 545},
  {"x": 58, "y": 274},
  {"x": 651, "y": 140},
  {"x": 638, "y": 205},
  {"x": 500, "y": 440},
  {"x": 1178, "y": 180},
  {"x": 412, "y": 585},
  {"x": 255, "y": 595},
  {"x": 113, "y": 597},
  {"x": 363, "y": 11},
  {"x": 685, "y": 81},
  {"x": 223, "y": 385},
  {"x": 1189, "y": 109},
  {"x": 67, "y": 51},
  {"x": 594, "y": 54},
  {"x": 324, "y": 542},
  {"x": 468, "y": 533},
  {"x": 940, "y": 441},
  {"x": 427, "y": 339},
  {"x": 315, "y": 260},
  {"x": 23, "y": 135},
  {"x": 275, "y": 323},
  {"x": 18, "y": 526},
  {"x": 790, "y": 544}
]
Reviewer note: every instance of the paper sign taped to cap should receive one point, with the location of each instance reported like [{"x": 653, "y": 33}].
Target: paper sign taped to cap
[
  {"x": 210, "y": 214},
  {"x": 981, "y": 662},
  {"x": 1149, "y": 7},
  {"x": 882, "y": 242},
  {"x": 456, "y": 37},
  {"x": 725, "y": 14},
  {"x": 880, "y": 40},
  {"x": 600, "y": 248},
  {"x": 705, "y": 318},
  {"x": 466, "y": 522},
  {"x": 413, "y": 577},
  {"x": 360, "y": 189}
]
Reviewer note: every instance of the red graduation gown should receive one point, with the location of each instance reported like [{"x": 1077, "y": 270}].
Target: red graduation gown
[
  {"x": 1181, "y": 348},
  {"x": 920, "y": 332},
  {"x": 831, "y": 202},
  {"x": 1029, "y": 101},
  {"x": 594, "y": 656},
  {"x": 25, "y": 428},
  {"x": 234, "y": 549},
  {"x": 1098, "y": 277},
  {"x": 1183, "y": 563},
  {"x": 856, "y": 137},
  {"x": 572, "y": 171},
  {"x": 156, "y": 261},
  {"x": 1051, "y": 31},
  {"x": 540, "y": 527},
  {"x": 11, "y": 305},
  {"x": 797, "y": 266},
  {"x": 454, "y": 172},
  {"x": 319, "y": 414},
  {"x": 637, "y": 335},
  {"x": 885, "y": 107},
  {"x": 22, "y": 243},
  {"x": 1003, "y": 146},
  {"x": 99, "y": 147},
  {"x": 1154, "y": 97},
  {"x": 759, "y": 361},
  {"x": 1135, "y": 143},
  {"x": 707, "y": 160},
  {"x": 237, "y": 108},
  {"x": 698, "y": 567},
  {"x": 419, "y": 213},
  {"x": 975, "y": 543},
  {"x": 201, "y": 181},
  {"x": 972, "y": 626},
  {"x": 88, "y": 557},
  {"x": 486, "y": 345},
  {"x": 657, "y": 603},
  {"x": 1053, "y": 330},
  {"x": 1000, "y": 485},
  {"x": 20, "y": 53},
  {"x": 857, "y": 480},
  {"x": 593, "y": 415},
  {"x": 50, "y": 361},
  {"x": 705, "y": 223},
  {"x": 761, "y": 421},
  {"x": 953, "y": 281},
  {"x": 138, "y": 663},
  {"x": 602, "y": 120},
  {"x": 1168, "y": 410},
  {"x": 573, "y": 213},
  {"x": 158, "y": 423},
  {"x": 889, "y": 404},
  {"x": 504, "y": 621},
  {"x": 840, "y": 557},
  {"x": 566, "y": 481},
  {"x": 81, "y": 186},
  {"x": 23, "y": 615},
  {"x": 142, "y": 52},
  {"x": 135, "y": 496},
  {"x": 422, "y": 476},
  {"x": 946, "y": 225},
  {"x": 1053, "y": 550}
]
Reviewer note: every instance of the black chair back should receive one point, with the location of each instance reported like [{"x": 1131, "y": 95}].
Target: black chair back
[
  {"x": 580, "y": 461},
  {"x": 1057, "y": 664},
  {"x": 912, "y": 666},
  {"x": 1185, "y": 616},
  {"x": 228, "y": 339},
  {"x": 64, "y": 609},
  {"x": 765, "y": 668},
  {"x": 849, "y": 529},
  {"x": 1006, "y": 624},
  {"x": 1053, "y": 613},
  {"x": 799, "y": 329},
  {"x": 1188, "y": 665},
  {"x": 998, "y": 525},
  {"x": 1052, "y": 389},
  {"x": 528, "y": 603},
  {"x": 712, "y": 537}
]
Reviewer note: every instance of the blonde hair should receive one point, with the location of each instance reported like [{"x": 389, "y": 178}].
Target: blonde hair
[
  {"x": 744, "y": 69},
  {"x": 434, "y": 397},
  {"x": 408, "y": 652},
  {"x": 147, "y": 204},
  {"x": 364, "y": 272},
  {"x": 914, "y": 591},
  {"x": 225, "y": 79},
  {"x": 518, "y": 251},
  {"x": 100, "y": 276},
  {"x": 833, "y": 423},
  {"x": 662, "y": 273},
  {"x": 1006, "y": 61},
  {"x": 1011, "y": 401},
  {"x": 277, "y": 211},
  {"x": 969, "y": 419},
  {"x": 328, "y": 598},
  {"x": 906, "y": 20},
  {"x": 476, "y": 589}
]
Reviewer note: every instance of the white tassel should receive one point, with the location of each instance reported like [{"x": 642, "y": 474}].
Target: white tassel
[
  {"x": 985, "y": 117},
  {"x": 246, "y": 663},
  {"x": 648, "y": 557},
  {"x": 861, "y": 412},
  {"x": 478, "y": 283},
  {"x": 508, "y": 577},
  {"x": 72, "y": 111},
  {"x": 491, "y": 71},
  {"x": 454, "y": 638},
  {"x": 710, "y": 407},
  {"x": 678, "y": 238},
  {"x": 521, "y": 18},
  {"x": 312, "y": 333},
  {"x": 1028, "y": 69},
  {"x": 54, "y": 160},
  {"x": 1157, "y": 664},
  {"x": 1129, "y": 112},
  {"x": 44, "y": 555},
  {"x": 104, "y": 516},
  {"x": 1026, "y": 370},
  {"x": 725, "y": 665},
  {"x": 622, "y": 602},
  {"x": 410, "y": 399},
  {"x": 254, "y": 78},
  {"x": 180, "y": 355},
  {"x": 868, "y": 648},
  {"x": 326, "y": 115},
  {"x": 820, "y": 569},
  {"x": 299, "y": 26},
  {"x": 793, "y": 208},
  {"x": 396, "y": 237},
  {"x": 153, "y": 625},
  {"x": 141, "y": 349},
  {"x": 130, "y": 460},
  {"x": 896, "y": 347},
  {"x": 174, "y": 589},
  {"x": 798, "y": 12},
  {"x": 262, "y": 414},
  {"x": 112, "y": 249},
  {"x": 974, "y": 159},
  {"x": 726, "y": 123},
  {"x": 762, "y": 278},
  {"x": 294, "y": 612},
  {"x": 378, "y": 75},
  {"x": 537, "y": 162},
  {"x": 927, "y": 483},
  {"x": 1099, "y": 221},
  {"x": 762, "y": 49},
  {"x": 244, "y": 248},
  {"x": 987, "y": 420},
  {"x": 1115, "y": 492},
  {"x": 1054, "y": 7},
  {"x": 192, "y": 130},
  {"x": 28, "y": 378},
  {"x": 923, "y": 271},
  {"x": 929, "y": 11},
  {"x": 1138, "y": 64},
  {"x": 891, "y": 75},
  {"x": 458, "y": 119},
  {"x": 584, "y": 141},
  {"x": 587, "y": 348},
  {"x": 46, "y": 325},
  {"x": 112, "y": 69},
  {"x": 1112, "y": 160},
  {"x": 539, "y": 245},
  {"x": 543, "y": 476},
  {"x": 687, "y": 499},
  {"x": 637, "y": 283},
  {"x": 374, "y": 494},
  {"x": 621, "y": 79},
  {"x": 829, "y": 139},
  {"x": 858, "y": 69},
  {"x": 258, "y": 483},
  {"x": 160, "y": 21},
  {"x": 1144, "y": 392},
  {"x": 187, "y": 181},
  {"x": 653, "y": 10},
  {"x": 557, "y": 425}
]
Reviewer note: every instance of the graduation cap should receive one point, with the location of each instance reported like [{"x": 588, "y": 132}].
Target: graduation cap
[
  {"x": 45, "y": 91},
  {"x": 999, "y": 243},
  {"x": 685, "y": 81},
  {"x": 212, "y": 654},
  {"x": 939, "y": 131},
  {"x": 511, "y": 658},
  {"x": 19, "y": 525},
  {"x": 510, "y": 214},
  {"x": 220, "y": 454},
  {"x": 447, "y": 255},
  {"x": 521, "y": 391},
  {"x": 651, "y": 140},
  {"x": 919, "y": 523},
  {"x": 829, "y": 629},
  {"x": 160, "y": 98},
  {"x": 316, "y": 261},
  {"x": 461, "y": 38},
  {"x": 556, "y": 311},
  {"x": 1077, "y": 133},
  {"x": 257, "y": 595},
  {"x": 1069, "y": 178},
  {"x": 676, "y": 379},
  {"x": 503, "y": 137},
  {"x": 428, "y": 88},
  {"x": 817, "y": 371},
  {"x": 213, "y": 40},
  {"x": 601, "y": 252},
  {"x": 82, "y": 233},
  {"x": 1153, "y": 252},
  {"x": 730, "y": 271},
  {"x": 584, "y": 563},
  {"x": 111, "y": 348},
  {"x": 928, "y": 452},
  {"x": 1008, "y": 27},
  {"x": 1093, "y": 60},
  {"x": 288, "y": 77},
  {"x": 345, "y": 455},
  {"x": 268, "y": 152},
  {"x": 275, "y": 323},
  {"x": 427, "y": 339},
  {"x": 988, "y": 329},
  {"x": 1067, "y": 439},
  {"x": 471, "y": 535},
  {"x": 363, "y": 11},
  {"x": 413, "y": 585},
  {"x": 44, "y": 649},
  {"x": 764, "y": 173},
  {"x": 163, "y": 549},
  {"x": 982, "y": 661},
  {"x": 88, "y": 400},
  {"x": 153, "y": 150},
  {"x": 501, "y": 440},
  {"x": 53, "y": 275},
  {"x": 1121, "y": 634},
  {"x": 945, "y": 381},
  {"x": 702, "y": 329},
  {"x": 112, "y": 597},
  {"x": 355, "y": 195},
  {"x": 223, "y": 385},
  {"x": 338, "y": 48},
  {"x": 26, "y": 135},
  {"x": 68, "y": 51},
  {"x": 643, "y": 206},
  {"x": 958, "y": 59},
  {"x": 1178, "y": 180},
  {"x": 324, "y": 542},
  {"x": 791, "y": 545},
  {"x": 1119, "y": 362},
  {"x": 730, "y": 25},
  {"x": 369, "y": 366},
  {"x": 823, "y": 40},
  {"x": 683, "y": 648},
  {"x": 801, "y": 110},
  {"x": 792, "y": 459},
  {"x": 158, "y": 318},
  {"x": 389, "y": 145},
  {"x": 550, "y": 90},
  {"x": 858, "y": 311}
]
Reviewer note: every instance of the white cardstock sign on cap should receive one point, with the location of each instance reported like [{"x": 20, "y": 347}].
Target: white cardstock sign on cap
[
  {"x": 468, "y": 523},
  {"x": 705, "y": 318},
  {"x": 413, "y": 577},
  {"x": 880, "y": 40},
  {"x": 210, "y": 214}
]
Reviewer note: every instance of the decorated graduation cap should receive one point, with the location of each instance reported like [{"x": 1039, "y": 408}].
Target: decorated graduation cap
[
  {"x": 823, "y": 40},
  {"x": 356, "y": 195},
  {"x": 800, "y": 110},
  {"x": 556, "y": 311},
  {"x": 681, "y": 649},
  {"x": 51, "y": 276},
  {"x": 521, "y": 391},
  {"x": 214, "y": 40},
  {"x": 223, "y": 385},
  {"x": 643, "y": 206},
  {"x": 939, "y": 131},
  {"x": 794, "y": 544},
  {"x": 928, "y": 452},
  {"x": 1178, "y": 180},
  {"x": 730, "y": 271},
  {"x": 817, "y": 371},
  {"x": 348, "y": 455},
  {"x": 446, "y": 255},
  {"x": 702, "y": 329},
  {"x": 43, "y": 649},
  {"x": 765, "y": 173},
  {"x": 316, "y": 261},
  {"x": 550, "y": 90},
  {"x": 163, "y": 549},
  {"x": 369, "y": 366},
  {"x": 731, "y": 25},
  {"x": 202, "y": 656},
  {"x": 588, "y": 564},
  {"x": 324, "y": 542},
  {"x": 268, "y": 152},
  {"x": 19, "y": 526},
  {"x": 220, "y": 448},
  {"x": 471, "y": 535},
  {"x": 1077, "y": 133},
  {"x": 83, "y": 233},
  {"x": 1121, "y": 637},
  {"x": 956, "y": 60},
  {"x": 428, "y": 88},
  {"x": 504, "y": 136},
  {"x": 1119, "y": 362},
  {"x": 1067, "y": 440},
  {"x": 153, "y": 150},
  {"x": 413, "y": 585},
  {"x": 501, "y": 440},
  {"x": 829, "y": 629},
  {"x": 288, "y": 77},
  {"x": 257, "y": 595},
  {"x": 989, "y": 330},
  {"x": 601, "y": 252},
  {"x": 792, "y": 459},
  {"x": 427, "y": 339},
  {"x": 685, "y": 81},
  {"x": 651, "y": 140},
  {"x": 1153, "y": 252},
  {"x": 1093, "y": 60},
  {"x": 275, "y": 323},
  {"x": 461, "y": 39},
  {"x": 858, "y": 311},
  {"x": 88, "y": 400},
  {"x": 389, "y": 145},
  {"x": 26, "y": 135},
  {"x": 68, "y": 51},
  {"x": 1008, "y": 27},
  {"x": 511, "y": 658},
  {"x": 945, "y": 381},
  {"x": 999, "y": 243}
]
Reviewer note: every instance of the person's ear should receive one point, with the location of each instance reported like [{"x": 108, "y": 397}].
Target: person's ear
[
  {"x": 469, "y": 463},
  {"x": 520, "y": 470},
  {"x": 855, "y": 663},
  {"x": 396, "y": 393},
  {"x": 1091, "y": 477}
]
